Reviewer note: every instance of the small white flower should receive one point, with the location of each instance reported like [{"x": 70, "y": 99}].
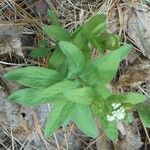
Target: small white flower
[
  {"x": 121, "y": 116},
  {"x": 118, "y": 110},
  {"x": 116, "y": 105},
  {"x": 122, "y": 110},
  {"x": 117, "y": 114},
  {"x": 110, "y": 118}
]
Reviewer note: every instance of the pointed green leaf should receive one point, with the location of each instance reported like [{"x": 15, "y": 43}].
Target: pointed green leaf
[
  {"x": 56, "y": 59},
  {"x": 107, "y": 65},
  {"x": 40, "y": 96},
  {"x": 111, "y": 131},
  {"x": 57, "y": 88},
  {"x": 63, "y": 68},
  {"x": 94, "y": 26},
  {"x": 67, "y": 120},
  {"x": 29, "y": 96},
  {"x": 77, "y": 30},
  {"x": 86, "y": 51},
  {"x": 75, "y": 57},
  {"x": 80, "y": 95},
  {"x": 79, "y": 40},
  {"x": 53, "y": 17},
  {"x": 134, "y": 98},
  {"x": 35, "y": 77},
  {"x": 130, "y": 98},
  {"x": 84, "y": 120},
  {"x": 144, "y": 112},
  {"x": 56, "y": 32},
  {"x": 56, "y": 118},
  {"x": 110, "y": 128},
  {"x": 41, "y": 51},
  {"x": 102, "y": 90}
]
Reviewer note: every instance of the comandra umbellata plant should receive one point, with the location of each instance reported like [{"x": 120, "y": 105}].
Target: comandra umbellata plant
[{"x": 76, "y": 84}]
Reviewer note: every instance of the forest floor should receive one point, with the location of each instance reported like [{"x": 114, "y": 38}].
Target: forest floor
[{"x": 21, "y": 128}]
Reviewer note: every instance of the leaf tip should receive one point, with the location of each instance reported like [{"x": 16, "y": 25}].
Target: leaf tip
[{"x": 6, "y": 76}]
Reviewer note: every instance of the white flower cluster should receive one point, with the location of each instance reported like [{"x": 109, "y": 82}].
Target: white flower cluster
[{"x": 117, "y": 114}]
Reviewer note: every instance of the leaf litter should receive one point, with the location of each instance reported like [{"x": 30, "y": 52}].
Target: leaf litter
[{"x": 74, "y": 13}]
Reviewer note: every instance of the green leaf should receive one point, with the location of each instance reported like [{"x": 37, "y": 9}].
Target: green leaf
[
  {"x": 25, "y": 96},
  {"x": 90, "y": 75},
  {"x": 35, "y": 77},
  {"x": 102, "y": 90},
  {"x": 97, "y": 44},
  {"x": 80, "y": 95},
  {"x": 56, "y": 59},
  {"x": 94, "y": 26},
  {"x": 29, "y": 96},
  {"x": 57, "y": 88},
  {"x": 77, "y": 30},
  {"x": 56, "y": 118},
  {"x": 111, "y": 131},
  {"x": 50, "y": 94},
  {"x": 84, "y": 120},
  {"x": 144, "y": 112},
  {"x": 109, "y": 41},
  {"x": 41, "y": 51},
  {"x": 75, "y": 57},
  {"x": 80, "y": 41},
  {"x": 108, "y": 64},
  {"x": 56, "y": 32},
  {"x": 53, "y": 17},
  {"x": 110, "y": 128},
  {"x": 128, "y": 118},
  {"x": 63, "y": 68},
  {"x": 86, "y": 51},
  {"x": 67, "y": 120},
  {"x": 134, "y": 98},
  {"x": 129, "y": 98}
]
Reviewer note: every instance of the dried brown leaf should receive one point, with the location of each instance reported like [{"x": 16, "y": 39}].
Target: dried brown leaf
[
  {"x": 10, "y": 39},
  {"x": 138, "y": 28},
  {"x": 135, "y": 75},
  {"x": 131, "y": 140}
]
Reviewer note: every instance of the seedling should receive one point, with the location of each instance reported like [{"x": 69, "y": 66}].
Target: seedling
[{"x": 76, "y": 84}]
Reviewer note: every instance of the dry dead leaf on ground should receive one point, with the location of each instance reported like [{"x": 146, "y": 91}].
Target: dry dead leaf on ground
[
  {"x": 131, "y": 140},
  {"x": 135, "y": 75},
  {"x": 133, "y": 56},
  {"x": 10, "y": 39},
  {"x": 138, "y": 27}
]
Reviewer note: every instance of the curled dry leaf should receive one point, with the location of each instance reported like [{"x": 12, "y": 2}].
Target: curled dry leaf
[
  {"x": 131, "y": 140},
  {"x": 10, "y": 39},
  {"x": 135, "y": 75},
  {"x": 138, "y": 28}
]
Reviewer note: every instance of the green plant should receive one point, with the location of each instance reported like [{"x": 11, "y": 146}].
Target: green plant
[{"x": 75, "y": 84}]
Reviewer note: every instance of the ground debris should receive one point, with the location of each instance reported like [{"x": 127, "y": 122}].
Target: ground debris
[
  {"x": 10, "y": 39},
  {"x": 131, "y": 140},
  {"x": 138, "y": 23},
  {"x": 135, "y": 75}
]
